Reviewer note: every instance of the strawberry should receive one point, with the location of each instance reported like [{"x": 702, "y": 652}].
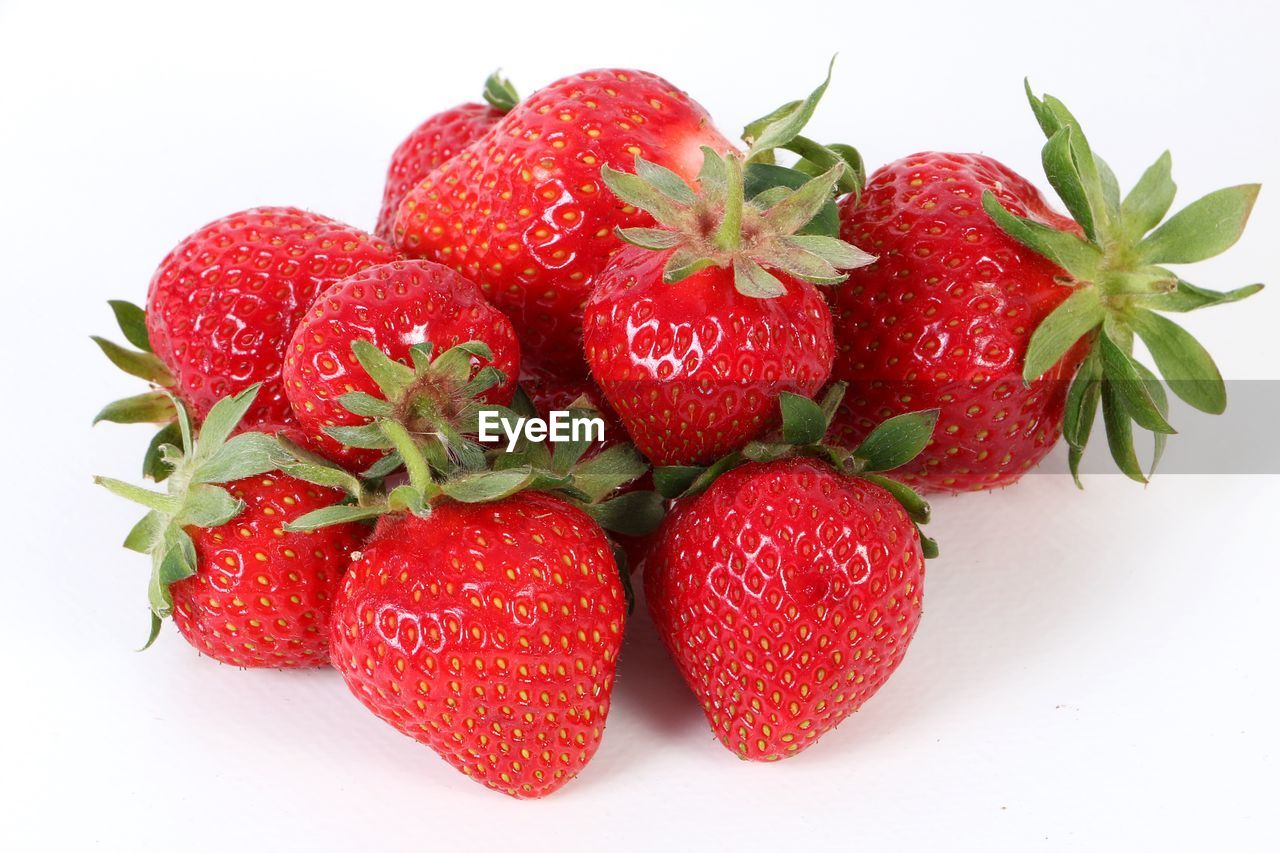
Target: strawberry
[
  {"x": 688, "y": 332},
  {"x": 1016, "y": 321},
  {"x": 223, "y": 304},
  {"x": 240, "y": 588},
  {"x": 788, "y": 588},
  {"x": 437, "y": 139},
  {"x": 484, "y": 620},
  {"x": 489, "y": 632},
  {"x": 393, "y": 307},
  {"x": 522, "y": 210}
]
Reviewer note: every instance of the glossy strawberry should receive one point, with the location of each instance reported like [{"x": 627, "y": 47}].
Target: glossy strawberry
[
  {"x": 489, "y": 632},
  {"x": 694, "y": 332},
  {"x": 239, "y": 586},
  {"x": 437, "y": 139},
  {"x": 787, "y": 594},
  {"x": 223, "y": 304},
  {"x": 393, "y": 306},
  {"x": 523, "y": 212},
  {"x": 1019, "y": 323},
  {"x": 260, "y": 596},
  {"x": 943, "y": 318}
]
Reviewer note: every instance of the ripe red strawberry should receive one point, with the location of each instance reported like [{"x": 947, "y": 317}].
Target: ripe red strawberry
[
  {"x": 688, "y": 334},
  {"x": 489, "y": 632},
  {"x": 223, "y": 304},
  {"x": 437, "y": 139},
  {"x": 943, "y": 317},
  {"x": 787, "y": 594},
  {"x": 394, "y": 307},
  {"x": 522, "y": 210},
  {"x": 1017, "y": 322},
  {"x": 240, "y": 587},
  {"x": 260, "y": 596}
]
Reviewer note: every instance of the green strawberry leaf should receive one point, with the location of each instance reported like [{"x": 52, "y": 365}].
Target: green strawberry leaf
[
  {"x": 608, "y": 470},
  {"x": 751, "y": 279},
  {"x": 1150, "y": 199},
  {"x": 1156, "y": 390},
  {"x": 1081, "y": 410},
  {"x": 245, "y": 455},
  {"x": 485, "y": 486},
  {"x": 672, "y": 481},
  {"x": 762, "y": 177},
  {"x": 365, "y": 405},
  {"x": 803, "y": 421},
  {"x": 154, "y": 407},
  {"x": 1119, "y": 426},
  {"x": 154, "y": 465},
  {"x": 208, "y": 506},
  {"x": 1187, "y": 297},
  {"x": 785, "y": 123},
  {"x": 133, "y": 323},
  {"x": 330, "y": 515},
  {"x": 1205, "y": 228},
  {"x": 917, "y": 507},
  {"x": 143, "y": 365},
  {"x": 897, "y": 441},
  {"x": 1063, "y": 172},
  {"x": 1077, "y": 316},
  {"x": 1068, "y": 251},
  {"x": 632, "y": 514},
  {"x": 390, "y": 376},
  {"x": 1127, "y": 385},
  {"x": 499, "y": 93},
  {"x": 146, "y": 533},
  {"x": 1185, "y": 365},
  {"x": 665, "y": 181}
]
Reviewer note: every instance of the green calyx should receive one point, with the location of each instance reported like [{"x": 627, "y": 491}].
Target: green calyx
[
  {"x": 426, "y": 424},
  {"x": 434, "y": 401},
  {"x": 722, "y": 227},
  {"x": 750, "y": 214},
  {"x": 499, "y": 93},
  {"x": 1121, "y": 283},
  {"x": 781, "y": 129},
  {"x": 192, "y": 496},
  {"x": 155, "y": 406},
  {"x": 805, "y": 422}
]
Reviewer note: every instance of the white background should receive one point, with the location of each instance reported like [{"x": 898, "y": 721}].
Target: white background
[{"x": 1095, "y": 670}]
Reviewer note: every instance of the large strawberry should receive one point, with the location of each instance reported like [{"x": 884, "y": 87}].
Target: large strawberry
[
  {"x": 223, "y": 304},
  {"x": 489, "y": 632},
  {"x": 788, "y": 589},
  {"x": 694, "y": 331},
  {"x": 523, "y": 212},
  {"x": 437, "y": 139},
  {"x": 483, "y": 620},
  {"x": 986, "y": 304},
  {"x": 394, "y": 307},
  {"x": 240, "y": 588}
]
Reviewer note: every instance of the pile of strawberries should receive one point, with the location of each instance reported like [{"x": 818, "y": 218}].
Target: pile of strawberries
[{"x": 800, "y": 349}]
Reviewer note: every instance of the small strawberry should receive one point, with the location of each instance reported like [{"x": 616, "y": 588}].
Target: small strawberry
[
  {"x": 240, "y": 588},
  {"x": 1015, "y": 321},
  {"x": 437, "y": 139},
  {"x": 788, "y": 588},
  {"x": 223, "y": 304},
  {"x": 522, "y": 210},
  {"x": 483, "y": 620},
  {"x": 694, "y": 331},
  {"x": 394, "y": 307}
]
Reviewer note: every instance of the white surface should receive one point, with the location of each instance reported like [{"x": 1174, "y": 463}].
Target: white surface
[{"x": 1094, "y": 671}]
